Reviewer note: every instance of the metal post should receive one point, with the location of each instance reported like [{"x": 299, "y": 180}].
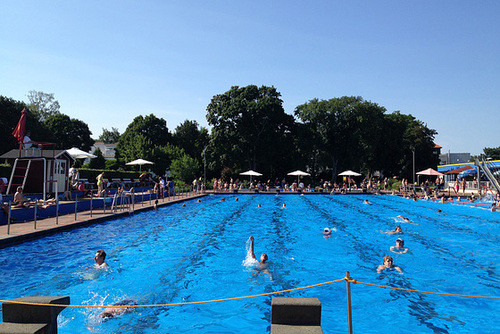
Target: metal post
[
  {"x": 104, "y": 205},
  {"x": 150, "y": 198},
  {"x": 413, "y": 166},
  {"x": 8, "y": 218},
  {"x": 36, "y": 207},
  {"x": 57, "y": 211},
  {"x": 349, "y": 313},
  {"x": 91, "y": 198},
  {"x": 76, "y": 201},
  {"x": 205, "y": 170},
  {"x": 133, "y": 202}
]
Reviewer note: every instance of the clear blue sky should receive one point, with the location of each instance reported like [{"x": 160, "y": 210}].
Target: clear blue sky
[{"x": 109, "y": 61}]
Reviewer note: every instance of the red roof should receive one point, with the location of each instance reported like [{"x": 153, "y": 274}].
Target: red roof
[{"x": 459, "y": 170}]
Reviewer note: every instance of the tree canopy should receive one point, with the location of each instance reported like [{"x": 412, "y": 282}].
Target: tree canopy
[
  {"x": 249, "y": 129},
  {"x": 42, "y": 105},
  {"x": 108, "y": 136},
  {"x": 69, "y": 132}
]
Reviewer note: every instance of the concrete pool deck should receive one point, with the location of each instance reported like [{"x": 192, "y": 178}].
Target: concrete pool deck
[{"x": 21, "y": 232}]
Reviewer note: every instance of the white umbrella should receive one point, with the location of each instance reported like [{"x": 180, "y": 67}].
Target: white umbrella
[
  {"x": 299, "y": 173},
  {"x": 349, "y": 173},
  {"x": 139, "y": 162},
  {"x": 251, "y": 173},
  {"x": 79, "y": 154}
]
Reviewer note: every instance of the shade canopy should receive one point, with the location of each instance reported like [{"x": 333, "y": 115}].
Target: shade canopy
[
  {"x": 299, "y": 173},
  {"x": 79, "y": 154},
  {"x": 430, "y": 171},
  {"x": 459, "y": 170},
  {"x": 251, "y": 173},
  {"x": 349, "y": 173},
  {"x": 139, "y": 162}
]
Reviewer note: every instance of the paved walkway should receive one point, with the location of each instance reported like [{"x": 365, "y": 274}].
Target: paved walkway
[{"x": 20, "y": 232}]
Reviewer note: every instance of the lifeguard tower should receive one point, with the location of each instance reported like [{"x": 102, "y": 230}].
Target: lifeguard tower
[{"x": 41, "y": 169}]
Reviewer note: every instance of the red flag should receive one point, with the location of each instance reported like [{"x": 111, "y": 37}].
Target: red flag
[{"x": 20, "y": 129}]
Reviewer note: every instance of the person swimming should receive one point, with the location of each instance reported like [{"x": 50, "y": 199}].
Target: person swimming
[
  {"x": 283, "y": 206},
  {"x": 262, "y": 264},
  {"x": 396, "y": 230},
  {"x": 388, "y": 264},
  {"x": 258, "y": 205},
  {"x": 100, "y": 258},
  {"x": 400, "y": 247},
  {"x": 326, "y": 231},
  {"x": 111, "y": 311},
  {"x": 367, "y": 202}
]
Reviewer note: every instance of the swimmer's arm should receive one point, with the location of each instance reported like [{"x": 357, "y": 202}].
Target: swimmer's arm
[
  {"x": 379, "y": 269},
  {"x": 406, "y": 249},
  {"x": 398, "y": 269},
  {"x": 251, "y": 248},
  {"x": 392, "y": 250}
]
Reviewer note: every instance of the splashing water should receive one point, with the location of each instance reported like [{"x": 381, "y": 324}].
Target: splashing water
[{"x": 249, "y": 261}]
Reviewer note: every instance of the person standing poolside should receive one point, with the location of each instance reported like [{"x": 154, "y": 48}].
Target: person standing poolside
[
  {"x": 100, "y": 184},
  {"x": 388, "y": 264},
  {"x": 400, "y": 247},
  {"x": 100, "y": 260}
]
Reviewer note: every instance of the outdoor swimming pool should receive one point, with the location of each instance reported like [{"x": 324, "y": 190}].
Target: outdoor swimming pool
[{"x": 195, "y": 253}]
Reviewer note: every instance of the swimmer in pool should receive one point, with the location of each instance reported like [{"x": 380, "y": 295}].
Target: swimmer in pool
[
  {"x": 326, "y": 231},
  {"x": 183, "y": 204},
  {"x": 262, "y": 266},
  {"x": 283, "y": 206},
  {"x": 100, "y": 258},
  {"x": 367, "y": 202},
  {"x": 396, "y": 230},
  {"x": 156, "y": 205},
  {"x": 258, "y": 205},
  {"x": 222, "y": 199},
  {"x": 263, "y": 257},
  {"x": 110, "y": 312},
  {"x": 236, "y": 200},
  {"x": 198, "y": 201},
  {"x": 406, "y": 220},
  {"x": 400, "y": 247},
  {"x": 388, "y": 264}
]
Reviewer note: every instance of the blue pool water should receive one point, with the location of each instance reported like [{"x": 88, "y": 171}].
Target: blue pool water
[{"x": 196, "y": 253}]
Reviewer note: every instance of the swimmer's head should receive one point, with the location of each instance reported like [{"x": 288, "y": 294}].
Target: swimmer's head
[
  {"x": 326, "y": 229},
  {"x": 398, "y": 229},
  {"x": 400, "y": 242},
  {"x": 388, "y": 259},
  {"x": 258, "y": 205},
  {"x": 263, "y": 258},
  {"x": 183, "y": 204}
]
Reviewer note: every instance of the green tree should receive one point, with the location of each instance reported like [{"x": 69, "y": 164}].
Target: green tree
[
  {"x": 340, "y": 133},
  {"x": 69, "y": 132},
  {"x": 141, "y": 137},
  {"x": 109, "y": 137},
  {"x": 250, "y": 130},
  {"x": 10, "y": 113},
  {"x": 402, "y": 135},
  {"x": 492, "y": 152},
  {"x": 42, "y": 105},
  {"x": 185, "y": 168},
  {"x": 192, "y": 138},
  {"x": 98, "y": 162}
]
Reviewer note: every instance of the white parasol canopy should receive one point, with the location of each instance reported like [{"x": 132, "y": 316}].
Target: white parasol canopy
[
  {"x": 139, "y": 162},
  {"x": 79, "y": 154},
  {"x": 251, "y": 173},
  {"x": 349, "y": 173},
  {"x": 298, "y": 173}
]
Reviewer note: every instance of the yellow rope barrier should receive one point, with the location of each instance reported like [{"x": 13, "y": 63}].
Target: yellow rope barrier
[
  {"x": 177, "y": 304},
  {"x": 348, "y": 279},
  {"x": 419, "y": 291}
]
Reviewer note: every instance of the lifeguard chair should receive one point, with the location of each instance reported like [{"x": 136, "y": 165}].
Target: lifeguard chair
[{"x": 40, "y": 170}]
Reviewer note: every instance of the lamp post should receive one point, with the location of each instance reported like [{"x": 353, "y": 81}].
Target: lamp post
[
  {"x": 204, "y": 169},
  {"x": 413, "y": 150}
]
